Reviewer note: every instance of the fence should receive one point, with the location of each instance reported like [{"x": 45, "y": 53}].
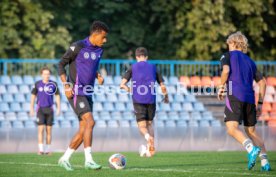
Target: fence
[{"x": 117, "y": 67}]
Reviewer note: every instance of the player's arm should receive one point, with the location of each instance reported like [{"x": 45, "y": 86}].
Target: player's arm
[
  {"x": 125, "y": 80},
  {"x": 160, "y": 81},
  {"x": 33, "y": 97},
  {"x": 225, "y": 63},
  {"x": 67, "y": 58},
  {"x": 262, "y": 87},
  {"x": 57, "y": 98},
  {"x": 100, "y": 78}
]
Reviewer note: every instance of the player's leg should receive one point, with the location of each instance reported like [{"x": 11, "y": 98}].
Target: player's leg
[
  {"x": 40, "y": 135},
  {"x": 151, "y": 109},
  {"x": 251, "y": 132},
  {"x": 49, "y": 124},
  {"x": 142, "y": 126},
  {"x": 233, "y": 130}
]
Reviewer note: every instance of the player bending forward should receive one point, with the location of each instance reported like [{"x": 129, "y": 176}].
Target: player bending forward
[
  {"x": 144, "y": 75},
  {"x": 83, "y": 58},
  {"x": 239, "y": 72}
]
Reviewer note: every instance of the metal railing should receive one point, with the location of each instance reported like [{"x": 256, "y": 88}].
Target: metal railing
[{"x": 117, "y": 67}]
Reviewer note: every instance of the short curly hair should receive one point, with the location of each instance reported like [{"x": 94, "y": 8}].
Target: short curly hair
[
  {"x": 98, "y": 26},
  {"x": 239, "y": 40}
]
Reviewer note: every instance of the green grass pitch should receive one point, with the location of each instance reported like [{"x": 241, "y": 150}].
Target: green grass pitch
[{"x": 163, "y": 164}]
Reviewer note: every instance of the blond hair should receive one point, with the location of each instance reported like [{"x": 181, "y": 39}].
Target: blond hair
[{"x": 239, "y": 40}]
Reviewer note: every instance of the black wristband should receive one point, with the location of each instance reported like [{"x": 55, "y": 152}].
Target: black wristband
[{"x": 260, "y": 102}]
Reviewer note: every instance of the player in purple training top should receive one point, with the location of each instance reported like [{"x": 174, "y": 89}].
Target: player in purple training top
[
  {"x": 44, "y": 90},
  {"x": 144, "y": 75},
  {"x": 83, "y": 58},
  {"x": 239, "y": 72}
]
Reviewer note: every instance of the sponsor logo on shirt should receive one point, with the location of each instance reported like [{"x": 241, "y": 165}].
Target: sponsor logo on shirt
[
  {"x": 40, "y": 89},
  {"x": 86, "y": 55},
  {"x": 82, "y": 105},
  {"x": 93, "y": 56}
]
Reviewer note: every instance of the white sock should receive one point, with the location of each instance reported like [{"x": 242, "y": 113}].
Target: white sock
[
  {"x": 248, "y": 145},
  {"x": 263, "y": 158},
  {"x": 88, "y": 154},
  {"x": 68, "y": 153},
  {"x": 47, "y": 148},
  {"x": 40, "y": 147},
  {"x": 147, "y": 136}
]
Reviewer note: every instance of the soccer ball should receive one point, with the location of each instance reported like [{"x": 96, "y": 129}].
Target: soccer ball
[
  {"x": 144, "y": 151},
  {"x": 117, "y": 161}
]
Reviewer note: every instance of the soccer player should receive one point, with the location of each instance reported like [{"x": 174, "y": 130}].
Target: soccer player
[
  {"x": 144, "y": 75},
  {"x": 238, "y": 73},
  {"x": 44, "y": 90},
  {"x": 83, "y": 58}
]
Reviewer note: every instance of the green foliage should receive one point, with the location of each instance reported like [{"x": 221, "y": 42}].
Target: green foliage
[{"x": 170, "y": 29}]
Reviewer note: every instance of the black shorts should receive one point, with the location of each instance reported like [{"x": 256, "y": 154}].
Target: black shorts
[
  {"x": 236, "y": 110},
  {"x": 144, "y": 112},
  {"x": 45, "y": 116},
  {"x": 81, "y": 104}
]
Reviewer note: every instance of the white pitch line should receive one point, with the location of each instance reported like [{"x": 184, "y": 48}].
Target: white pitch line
[{"x": 216, "y": 171}]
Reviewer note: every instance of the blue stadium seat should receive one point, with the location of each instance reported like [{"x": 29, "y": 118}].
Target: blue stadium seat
[
  {"x": 170, "y": 123},
  {"x": 124, "y": 123},
  {"x": 10, "y": 116},
  {"x": 100, "y": 98},
  {"x": 190, "y": 98},
  {"x": 171, "y": 89},
  {"x": 28, "y": 97},
  {"x": 6, "y": 125},
  {"x": 53, "y": 78},
  {"x": 8, "y": 98},
  {"x": 112, "y": 124},
  {"x": 159, "y": 123},
  {"x": 188, "y": 107},
  {"x": 24, "y": 89},
  {"x": 116, "y": 114},
  {"x": 128, "y": 115},
  {"x": 111, "y": 98},
  {"x": 75, "y": 123},
  {"x": 64, "y": 107},
  {"x": 60, "y": 117},
  {"x": 184, "y": 115},
  {"x": 65, "y": 124},
  {"x": 204, "y": 123},
  {"x": 108, "y": 106},
  {"x": 215, "y": 123},
  {"x": 30, "y": 124},
  {"x": 97, "y": 106},
  {"x": 162, "y": 115},
  {"x": 15, "y": 107},
  {"x": 193, "y": 123},
  {"x": 101, "y": 124},
  {"x": 104, "y": 115},
  {"x": 173, "y": 115},
  {"x": 37, "y": 78},
  {"x": 108, "y": 80},
  {"x": 181, "y": 123},
  {"x": 26, "y": 107},
  {"x": 6, "y": 80},
  {"x": 4, "y": 107},
  {"x": 179, "y": 98},
  {"x": 12, "y": 89},
  {"x": 27, "y": 79},
  {"x": 196, "y": 115},
  {"x": 123, "y": 98},
  {"x": 166, "y": 80},
  {"x": 17, "y": 80},
  {"x": 176, "y": 107},
  {"x": 207, "y": 115},
  {"x": 19, "y": 98},
  {"x": 2, "y": 117},
  {"x": 165, "y": 107},
  {"x": 117, "y": 80},
  {"x": 173, "y": 80},
  {"x": 22, "y": 116},
  {"x": 3, "y": 89},
  {"x": 198, "y": 106},
  {"x": 120, "y": 106},
  {"x": 17, "y": 124},
  {"x": 129, "y": 106},
  {"x": 133, "y": 123}
]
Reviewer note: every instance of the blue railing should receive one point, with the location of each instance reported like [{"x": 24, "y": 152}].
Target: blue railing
[{"x": 119, "y": 66}]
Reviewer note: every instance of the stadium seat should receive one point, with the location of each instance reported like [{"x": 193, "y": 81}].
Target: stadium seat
[
  {"x": 22, "y": 116},
  {"x": 173, "y": 115},
  {"x": 24, "y": 89},
  {"x": 15, "y": 107},
  {"x": 173, "y": 80},
  {"x": 166, "y": 80},
  {"x": 190, "y": 98},
  {"x": 185, "y": 80},
  {"x": 171, "y": 89},
  {"x": 2, "y": 117},
  {"x": 120, "y": 106},
  {"x": 6, "y": 125},
  {"x": 37, "y": 78},
  {"x": 17, "y": 80},
  {"x": 187, "y": 107},
  {"x": 65, "y": 124},
  {"x": 117, "y": 80},
  {"x": 159, "y": 123},
  {"x": 108, "y": 106},
  {"x": 133, "y": 123},
  {"x": 111, "y": 98},
  {"x": 207, "y": 115},
  {"x": 170, "y": 123},
  {"x": 128, "y": 115},
  {"x": 6, "y": 80},
  {"x": 100, "y": 124},
  {"x": 4, "y": 107},
  {"x": 26, "y": 107},
  {"x": 17, "y": 124},
  {"x": 112, "y": 124},
  {"x": 53, "y": 78},
  {"x": 97, "y": 106},
  {"x": 216, "y": 80},
  {"x": 198, "y": 106},
  {"x": 271, "y": 81},
  {"x": 176, "y": 107},
  {"x": 206, "y": 81},
  {"x": 61, "y": 117},
  {"x": 184, "y": 115},
  {"x": 179, "y": 98},
  {"x": 204, "y": 123},
  {"x": 181, "y": 123},
  {"x": 124, "y": 123},
  {"x": 165, "y": 107},
  {"x": 193, "y": 123},
  {"x": 195, "y": 81},
  {"x": 100, "y": 97},
  {"x": 8, "y": 98},
  {"x": 215, "y": 123},
  {"x": 270, "y": 90},
  {"x": 268, "y": 98},
  {"x": 116, "y": 115},
  {"x": 19, "y": 98},
  {"x": 28, "y": 97},
  {"x": 162, "y": 115},
  {"x": 10, "y": 116},
  {"x": 123, "y": 98},
  {"x": 108, "y": 80},
  {"x": 12, "y": 89},
  {"x": 196, "y": 116},
  {"x": 64, "y": 107},
  {"x": 27, "y": 79},
  {"x": 266, "y": 107},
  {"x": 105, "y": 116},
  {"x": 30, "y": 124},
  {"x": 129, "y": 106},
  {"x": 3, "y": 89},
  {"x": 75, "y": 124}
]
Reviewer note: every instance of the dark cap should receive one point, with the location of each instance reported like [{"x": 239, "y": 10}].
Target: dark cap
[{"x": 141, "y": 51}]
